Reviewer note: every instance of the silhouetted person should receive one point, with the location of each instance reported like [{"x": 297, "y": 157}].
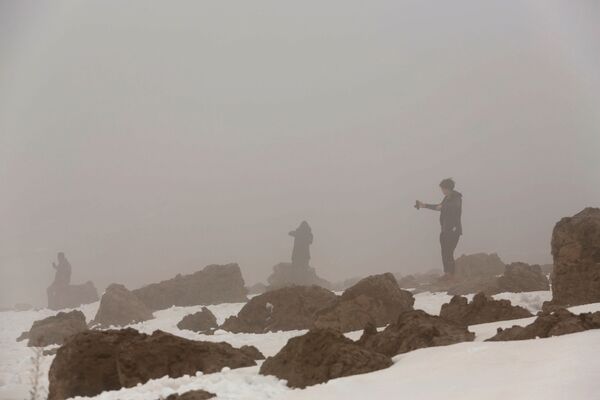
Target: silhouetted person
[
  {"x": 62, "y": 278},
  {"x": 450, "y": 212},
  {"x": 303, "y": 238}
]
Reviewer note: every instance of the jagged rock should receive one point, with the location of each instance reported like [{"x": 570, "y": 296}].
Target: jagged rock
[
  {"x": 284, "y": 309},
  {"x": 558, "y": 322},
  {"x": 576, "y": 253},
  {"x": 252, "y": 352},
  {"x": 415, "y": 330},
  {"x": 91, "y": 362},
  {"x": 191, "y": 395},
  {"x": 376, "y": 299},
  {"x": 72, "y": 296},
  {"x": 481, "y": 310},
  {"x": 215, "y": 284},
  {"x": 478, "y": 265},
  {"x": 257, "y": 288},
  {"x": 50, "y": 352},
  {"x": 321, "y": 355},
  {"x": 119, "y": 307},
  {"x": 54, "y": 329},
  {"x": 287, "y": 274},
  {"x": 201, "y": 321}
]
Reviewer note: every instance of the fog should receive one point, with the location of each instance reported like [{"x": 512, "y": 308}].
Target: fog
[{"x": 146, "y": 139}]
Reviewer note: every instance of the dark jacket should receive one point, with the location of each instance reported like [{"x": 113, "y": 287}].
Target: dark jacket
[{"x": 450, "y": 212}]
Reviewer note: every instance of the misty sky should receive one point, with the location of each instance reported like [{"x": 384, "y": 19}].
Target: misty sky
[{"x": 145, "y": 139}]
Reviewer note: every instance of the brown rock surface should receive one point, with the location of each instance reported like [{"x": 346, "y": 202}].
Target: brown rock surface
[
  {"x": 288, "y": 274},
  {"x": 283, "y": 309},
  {"x": 201, "y": 321},
  {"x": 192, "y": 395},
  {"x": 481, "y": 310},
  {"x": 55, "y": 329},
  {"x": 95, "y": 361},
  {"x": 576, "y": 252},
  {"x": 415, "y": 330},
  {"x": 71, "y": 296},
  {"x": 215, "y": 284},
  {"x": 119, "y": 307},
  {"x": 321, "y": 355}
]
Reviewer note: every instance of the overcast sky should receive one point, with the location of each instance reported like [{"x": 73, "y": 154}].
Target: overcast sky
[{"x": 146, "y": 139}]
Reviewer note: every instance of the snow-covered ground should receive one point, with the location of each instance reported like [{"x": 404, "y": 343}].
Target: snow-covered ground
[{"x": 564, "y": 367}]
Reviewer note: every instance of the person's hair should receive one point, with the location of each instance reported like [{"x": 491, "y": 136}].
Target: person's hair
[{"x": 447, "y": 183}]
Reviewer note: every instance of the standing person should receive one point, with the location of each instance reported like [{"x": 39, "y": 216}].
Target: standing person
[
  {"x": 62, "y": 279},
  {"x": 450, "y": 212},
  {"x": 303, "y": 238}
]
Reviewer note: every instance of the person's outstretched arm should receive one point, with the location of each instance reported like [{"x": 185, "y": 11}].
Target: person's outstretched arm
[{"x": 434, "y": 207}]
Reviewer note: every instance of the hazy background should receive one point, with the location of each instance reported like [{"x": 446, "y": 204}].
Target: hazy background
[{"x": 147, "y": 139}]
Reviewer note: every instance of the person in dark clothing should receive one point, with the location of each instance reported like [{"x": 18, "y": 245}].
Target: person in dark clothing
[
  {"x": 450, "y": 214},
  {"x": 62, "y": 279},
  {"x": 303, "y": 238}
]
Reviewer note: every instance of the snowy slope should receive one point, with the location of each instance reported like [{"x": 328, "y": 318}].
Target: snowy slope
[{"x": 555, "y": 368}]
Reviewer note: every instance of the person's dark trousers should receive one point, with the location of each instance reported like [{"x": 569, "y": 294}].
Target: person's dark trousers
[{"x": 448, "y": 241}]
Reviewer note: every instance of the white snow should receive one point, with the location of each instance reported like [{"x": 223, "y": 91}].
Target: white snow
[{"x": 555, "y": 368}]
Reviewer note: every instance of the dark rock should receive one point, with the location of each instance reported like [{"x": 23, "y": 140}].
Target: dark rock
[
  {"x": 556, "y": 323},
  {"x": 201, "y": 321},
  {"x": 415, "y": 330},
  {"x": 321, "y": 355},
  {"x": 55, "y": 329},
  {"x": 376, "y": 299},
  {"x": 120, "y": 307},
  {"x": 481, "y": 310},
  {"x": 576, "y": 253},
  {"x": 284, "y": 309},
  {"x": 91, "y": 362},
  {"x": 192, "y": 395},
  {"x": 287, "y": 274},
  {"x": 252, "y": 352},
  {"x": 72, "y": 296},
  {"x": 215, "y": 284},
  {"x": 50, "y": 352},
  {"x": 479, "y": 265},
  {"x": 24, "y": 335}
]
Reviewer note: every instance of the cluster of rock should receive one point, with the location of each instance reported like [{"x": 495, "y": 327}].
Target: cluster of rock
[
  {"x": 91, "y": 362},
  {"x": 55, "y": 329},
  {"x": 71, "y": 296},
  {"x": 576, "y": 253},
  {"x": 214, "y": 284},
  {"x": 480, "y": 310},
  {"x": 288, "y": 274},
  {"x": 203, "y": 321}
]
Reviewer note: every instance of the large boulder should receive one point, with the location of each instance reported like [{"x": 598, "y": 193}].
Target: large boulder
[
  {"x": 202, "y": 321},
  {"x": 191, "y": 395},
  {"x": 576, "y": 253},
  {"x": 283, "y": 309},
  {"x": 481, "y": 310},
  {"x": 478, "y": 265},
  {"x": 120, "y": 307},
  {"x": 288, "y": 274},
  {"x": 414, "y": 330},
  {"x": 55, "y": 329},
  {"x": 72, "y": 296},
  {"x": 321, "y": 355},
  {"x": 215, "y": 284},
  {"x": 555, "y": 323},
  {"x": 376, "y": 299},
  {"x": 95, "y": 361}
]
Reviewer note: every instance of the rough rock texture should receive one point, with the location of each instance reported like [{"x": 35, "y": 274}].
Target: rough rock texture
[
  {"x": 55, "y": 329},
  {"x": 201, "y": 321},
  {"x": 481, "y": 310},
  {"x": 72, "y": 296},
  {"x": 478, "y": 265},
  {"x": 558, "y": 322},
  {"x": 95, "y": 361},
  {"x": 287, "y": 274},
  {"x": 119, "y": 307},
  {"x": 192, "y": 395},
  {"x": 376, "y": 299},
  {"x": 214, "y": 284},
  {"x": 280, "y": 310},
  {"x": 576, "y": 253},
  {"x": 415, "y": 330},
  {"x": 321, "y": 355},
  {"x": 252, "y": 352}
]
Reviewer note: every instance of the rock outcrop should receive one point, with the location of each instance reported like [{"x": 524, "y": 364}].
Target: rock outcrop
[
  {"x": 95, "y": 361},
  {"x": 202, "y": 321},
  {"x": 576, "y": 253},
  {"x": 556, "y": 323},
  {"x": 55, "y": 329},
  {"x": 252, "y": 352},
  {"x": 376, "y": 299},
  {"x": 414, "y": 330},
  {"x": 283, "y": 309},
  {"x": 120, "y": 307},
  {"x": 288, "y": 274},
  {"x": 479, "y": 265},
  {"x": 192, "y": 395},
  {"x": 481, "y": 310},
  {"x": 72, "y": 296},
  {"x": 321, "y": 355},
  {"x": 215, "y": 284}
]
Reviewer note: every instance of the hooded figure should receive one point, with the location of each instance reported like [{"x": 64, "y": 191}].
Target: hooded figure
[
  {"x": 303, "y": 238},
  {"x": 62, "y": 279}
]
